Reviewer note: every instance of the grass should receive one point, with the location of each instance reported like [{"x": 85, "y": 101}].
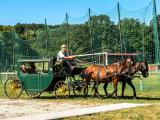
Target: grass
[
  {"x": 139, "y": 113},
  {"x": 151, "y": 89},
  {"x": 149, "y": 94}
]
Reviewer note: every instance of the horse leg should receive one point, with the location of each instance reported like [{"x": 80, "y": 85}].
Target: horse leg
[
  {"x": 85, "y": 89},
  {"x": 134, "y": 90},
  {"x": 115, "y": 84},
  {"x": 105, "y": 88},
  {"x": 123, "y": 88},
  {"x": 95, "y": 87},
  {"x": 86, "y": 81}
]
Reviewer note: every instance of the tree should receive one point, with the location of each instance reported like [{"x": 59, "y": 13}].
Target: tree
[
  {"x": 132, "y": 35},
  {"x": 1, "y": 28},
  {"x": 79, "y": 39},
  {"x": 104, "y": 33}
]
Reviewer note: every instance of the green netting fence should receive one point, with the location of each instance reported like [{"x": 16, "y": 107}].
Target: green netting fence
[{"x": 118, "y": 32}]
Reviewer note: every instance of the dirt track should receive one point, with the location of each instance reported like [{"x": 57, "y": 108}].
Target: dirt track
[{"x": 42, "y": 110}]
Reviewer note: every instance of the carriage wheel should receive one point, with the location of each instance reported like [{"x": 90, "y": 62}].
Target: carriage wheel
[
  {"x": 78, "y": 88},
  {"x": 61, "y": 90},
  {"x": 13, "y": 88},
  {"x": 33, "y": 94}
]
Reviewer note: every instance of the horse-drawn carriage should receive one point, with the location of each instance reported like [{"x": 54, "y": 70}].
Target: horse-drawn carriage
[{"x": 46, "y": 77}]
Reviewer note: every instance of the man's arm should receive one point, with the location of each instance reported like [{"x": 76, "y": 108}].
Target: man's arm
[
  {"x": 68, "y": 57},
  {"x": 61, "y": 56}
]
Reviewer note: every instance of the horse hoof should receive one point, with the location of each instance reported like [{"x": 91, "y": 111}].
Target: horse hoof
[
  {"x": 107, "y": 95},
  {"x": 134, "y": 98},
  {"x": 116, "y": 97},
  {"x": 84, "y": 96},
  {"x": 100, "y": 98},
  {"x": 93, "y": 96}
]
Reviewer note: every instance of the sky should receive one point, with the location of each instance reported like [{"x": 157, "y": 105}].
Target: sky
[{"x": 35, "y": 11}]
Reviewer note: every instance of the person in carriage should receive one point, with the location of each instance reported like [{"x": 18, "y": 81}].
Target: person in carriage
[
  {"x": 32, "y": 68},
  {"x": 23, "y": 68},
  {"x": 65, "y": 59}
]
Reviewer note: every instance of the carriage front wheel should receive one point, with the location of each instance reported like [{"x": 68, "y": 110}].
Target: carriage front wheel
[
  {"x": 61, "y": 90},
  {"x": 13, "y": 87},
  {"x": 79, "y": 88}
]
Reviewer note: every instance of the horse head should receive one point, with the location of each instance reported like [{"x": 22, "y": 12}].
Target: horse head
[
  {"x": 127, "y": 65},
  {"x": 144, "y": 69},
  {"x": 130, "y": 61}
]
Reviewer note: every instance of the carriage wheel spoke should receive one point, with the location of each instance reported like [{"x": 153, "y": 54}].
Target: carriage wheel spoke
[
  {"x": 13, "y": 88},
  {"x": 61, "y": 90}
]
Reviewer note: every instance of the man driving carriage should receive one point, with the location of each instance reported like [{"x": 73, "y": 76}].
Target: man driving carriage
[{"x": 64, "y": 58}]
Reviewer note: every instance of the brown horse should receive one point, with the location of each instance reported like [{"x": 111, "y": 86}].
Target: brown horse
[
  {"x": 102, "y": 74},
  {"x": 138, "y": 67}
]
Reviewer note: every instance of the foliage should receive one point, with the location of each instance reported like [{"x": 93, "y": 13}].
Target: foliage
[{"x": 41, "y": 40}]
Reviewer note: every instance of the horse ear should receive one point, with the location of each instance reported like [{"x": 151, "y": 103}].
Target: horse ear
[{"x": 132, "y": 58}]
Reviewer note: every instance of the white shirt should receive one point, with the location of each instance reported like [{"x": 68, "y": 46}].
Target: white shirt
[{"x": 61, "y": 55}]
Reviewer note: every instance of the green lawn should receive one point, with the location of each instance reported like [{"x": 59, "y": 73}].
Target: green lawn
[
  {"x": 149, "y": 94},
  {"x": 151, "y": 90}
]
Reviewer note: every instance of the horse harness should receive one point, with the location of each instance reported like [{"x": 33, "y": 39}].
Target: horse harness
[
  {"x": 98, "y": 76},
  {"x": 108, "y": 74}
]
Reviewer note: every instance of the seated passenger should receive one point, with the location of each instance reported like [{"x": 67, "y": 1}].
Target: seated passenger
[
  {"x": 32, "y": 68},
  {"x": 23, "y": 68},
  {"x": 64, "y": 57}
]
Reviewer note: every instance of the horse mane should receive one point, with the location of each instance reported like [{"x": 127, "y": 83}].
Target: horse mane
[{"x": 122, "y": 64}]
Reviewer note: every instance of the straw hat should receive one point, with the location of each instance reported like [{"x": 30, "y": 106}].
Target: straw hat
[{"x": 63, "y": 46}]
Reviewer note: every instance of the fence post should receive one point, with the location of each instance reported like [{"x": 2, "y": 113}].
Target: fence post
[
  {"x": 156, "y": 37},
  {"x": 141, "y": 85},
  {"x": 13, "y": 50},
  {"x": 90, "y": 33},
  {"x": 27, "y": 41},
  {"x": 106, "y": 59},
  {"x": 46, "y": 34},
  {"x": 120, "y": 34},
  {"x": 67, "y": 42}
]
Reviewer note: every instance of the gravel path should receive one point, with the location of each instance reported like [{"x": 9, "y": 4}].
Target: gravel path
[
  {"x": 43, "y": 110},
  {"x": 18, "y": 108}
]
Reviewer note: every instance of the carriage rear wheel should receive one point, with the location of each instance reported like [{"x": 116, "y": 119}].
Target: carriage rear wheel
[
  {"x": 79, "y": 88},
  {"x": 13, "y": 87},
  {"x": 33, "y": 94},
  {"x": 61, "y": 90}
]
